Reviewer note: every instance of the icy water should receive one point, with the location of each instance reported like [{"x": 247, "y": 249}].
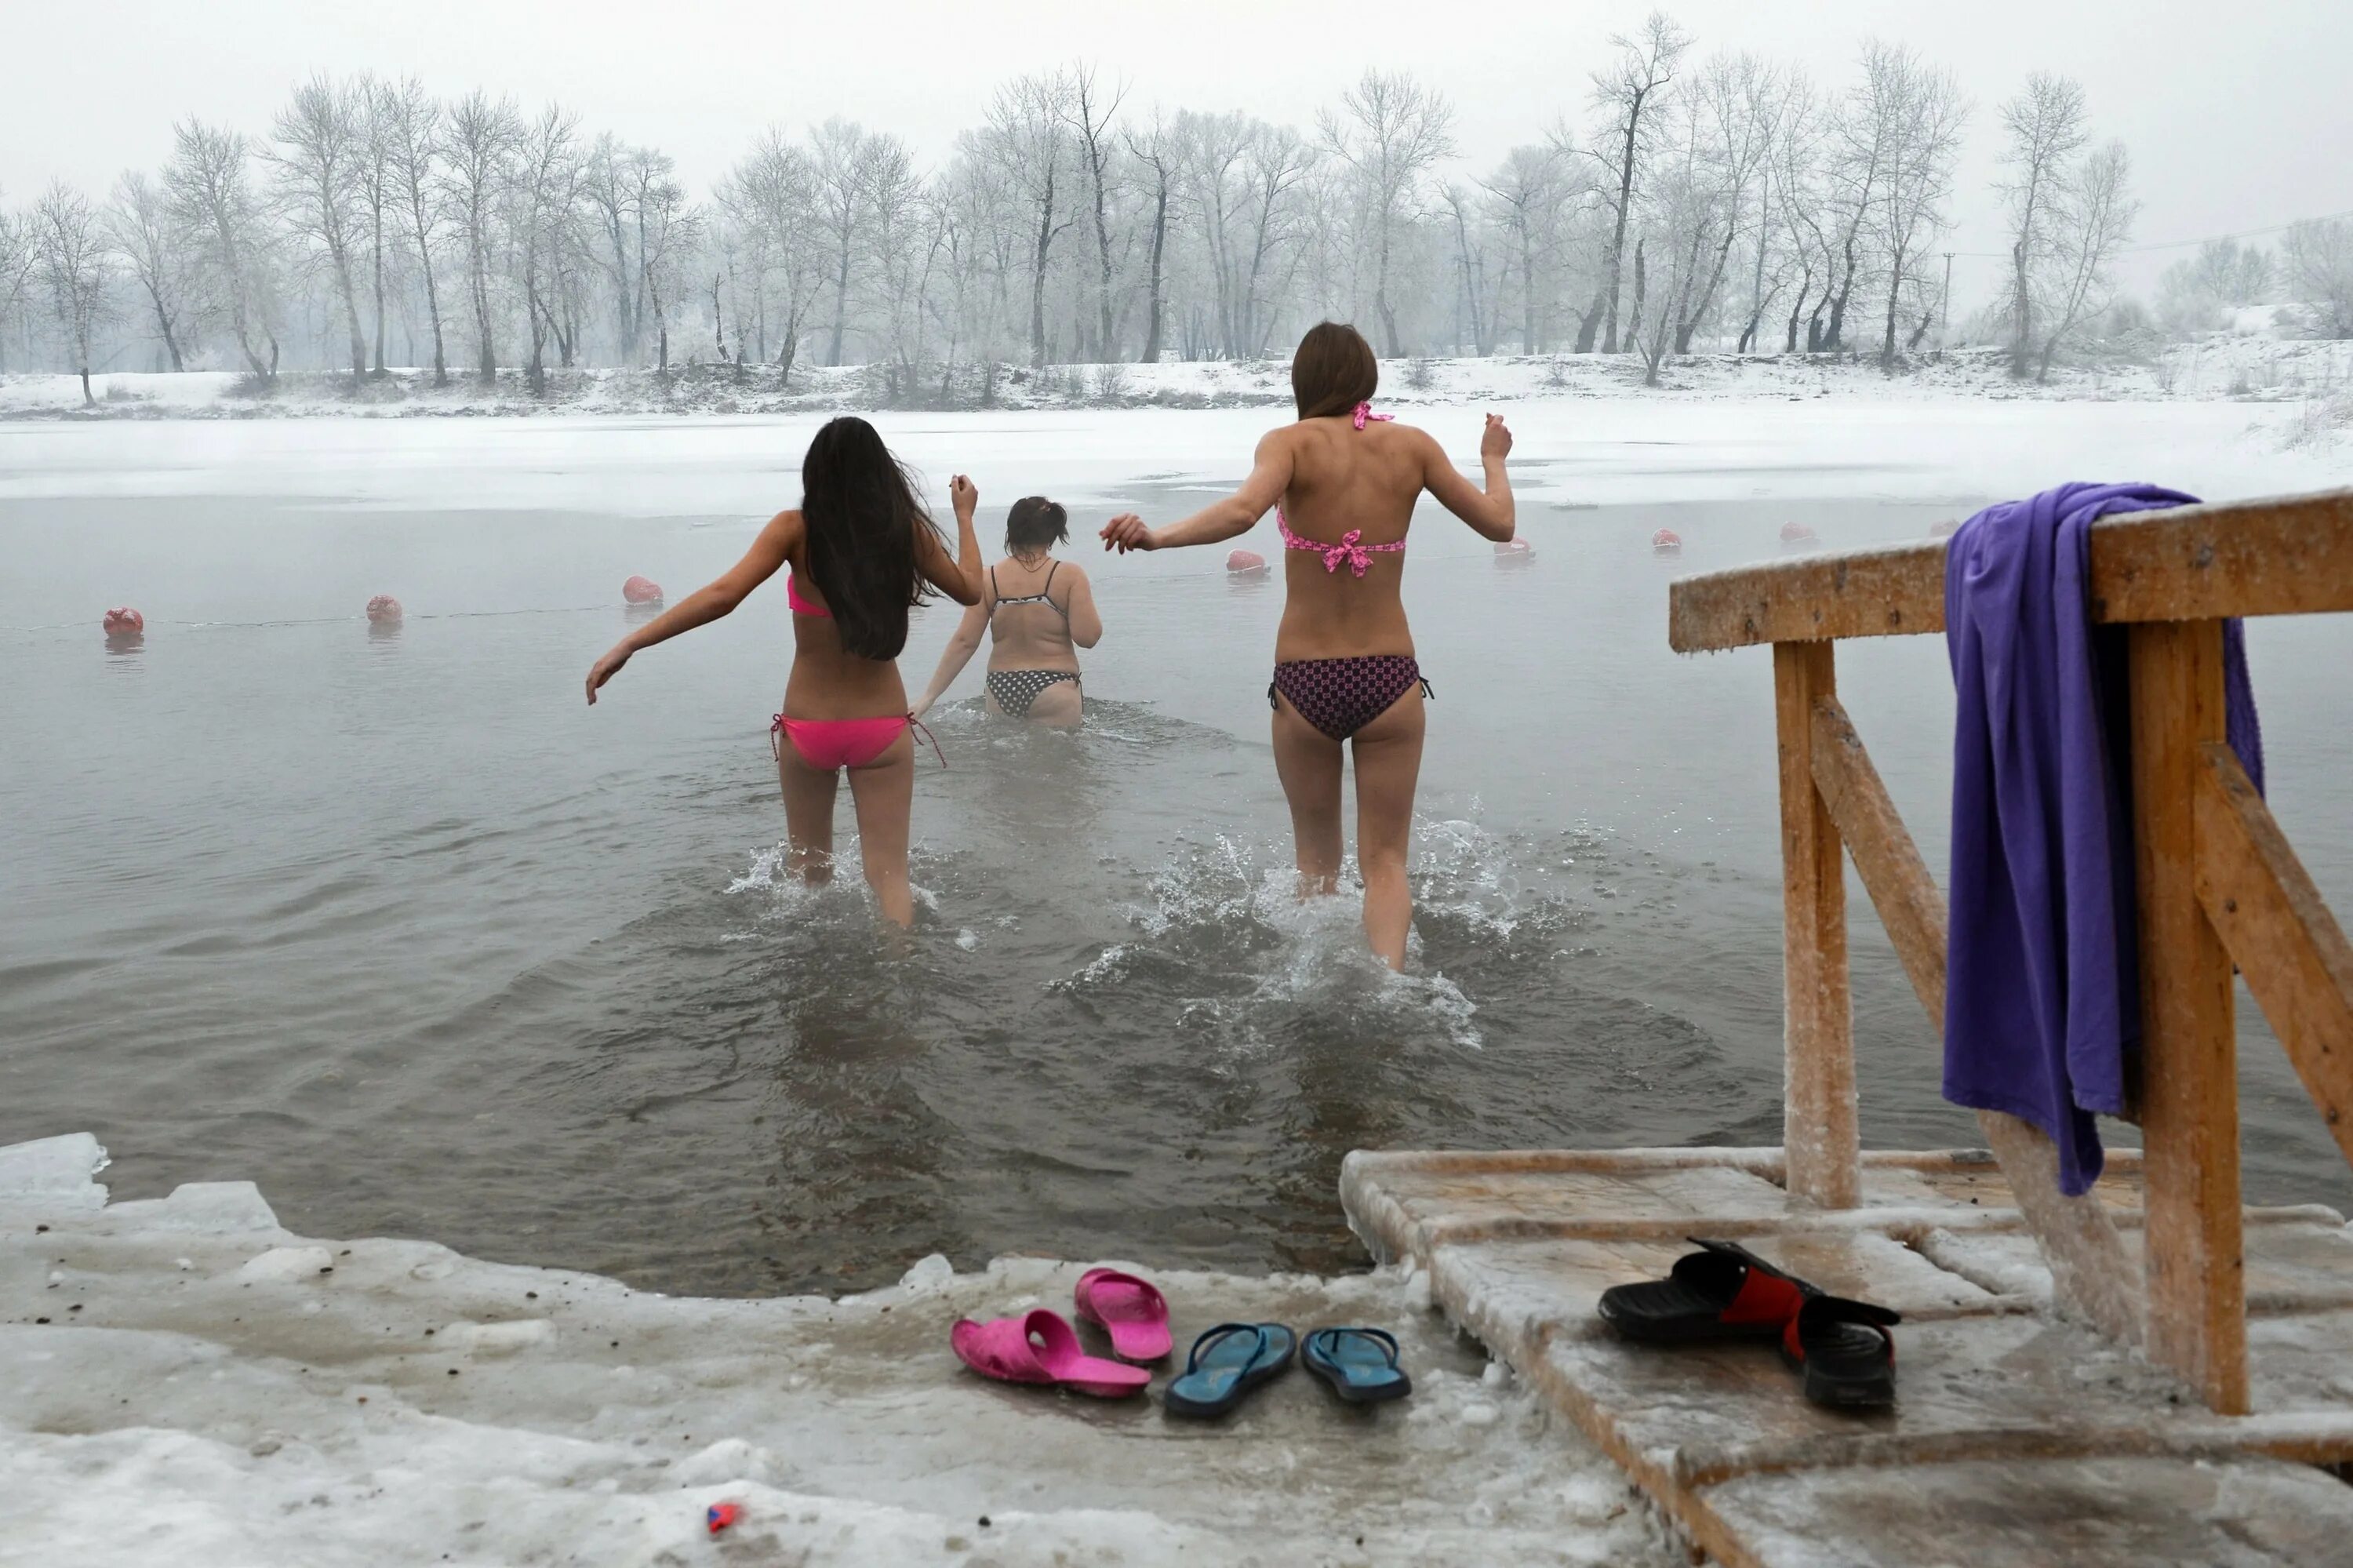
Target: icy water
[{"x": 395, "y": 925}]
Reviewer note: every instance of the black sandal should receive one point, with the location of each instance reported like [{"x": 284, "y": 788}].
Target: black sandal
[
  {"x": 1845, "y": 1351},
  {"x": 1723, "y": 1292}
]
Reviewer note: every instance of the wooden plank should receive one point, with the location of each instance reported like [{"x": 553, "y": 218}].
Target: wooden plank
[
  {"x": 2282, "y": 555},
  {"x": 1900, "y": 889},
  {"x": 2089, "y": 1264},
  {"x": 1856, "y": 593},
  {"x": 2279, "y": 555},
  {"x": 2279, "y": 931},
  {"x": 2188, "y": 1082},
  {"x": 1818, "y": 1126}
]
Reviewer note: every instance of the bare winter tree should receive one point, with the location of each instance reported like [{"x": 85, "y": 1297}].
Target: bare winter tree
[
  {"x": 1919, "y": 113},
  {"x": 375, "y": 193},
  {"x": 837, "y": 160},
  {"x": 321, "y": 148},
  {"x": 670, "y": 230},
  {"x": 1626, "y": 93},
  {"x": 408, "y": 121},
  {"x": 2316, "y": 260},
  {"x": 1087, "y": 109},
  {"x": 139, "y": 221},
  {"x": 2093, "y": 218},
  {"x": 1525, "y": 198},
  {"x": 2043, "y": 129},
  {"x": 546, "y": 209},
  {"x": 212, "y": 202},
  {"x": 1474, "y": 292},
  {"x": 772, "y": 194},
  {"x": 77, "y": 268},
  {"x": 1389, "y": 131},
  {"x": 1243, "y": 179},
  {"x": 1156, "y": 152},
  {"x": 478, "y": 149},
  {"x": 17, "y": 258},
  {"x": 2224, "y": 275},
  {"x": 1734, "y": 114},
  {"x": 1028, "y": 135}
]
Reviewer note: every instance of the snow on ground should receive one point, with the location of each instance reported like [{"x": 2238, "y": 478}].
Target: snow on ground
[
  {"x": 2222, "y": 365},
  {"x": 1570, "y": 453},
  {"x": 183, "y": 1381}
]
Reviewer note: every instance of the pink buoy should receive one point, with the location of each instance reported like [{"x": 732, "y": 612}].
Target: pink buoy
[
  {"x": 1666, "y": 542},
  {"x": 1797, "y": 534},
  {"x": 1246, "y": 563},
  {"x": 1513, "y": 552},
  {"x": 124, "y": 624},
  {"x": 383, "y": 609},
  {"x": 641, "y": 590}
]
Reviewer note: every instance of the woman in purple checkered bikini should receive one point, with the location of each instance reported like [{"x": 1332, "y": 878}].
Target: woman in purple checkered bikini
[{"x": 1344, "y": 671}]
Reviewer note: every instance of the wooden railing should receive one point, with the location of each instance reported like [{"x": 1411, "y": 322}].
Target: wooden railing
[{"x": 2218, "y": 885}]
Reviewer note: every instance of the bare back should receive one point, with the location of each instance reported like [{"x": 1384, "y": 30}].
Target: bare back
[
  {"x": 1343, "y": 478},
  {"x": 1029, "y": 608}
]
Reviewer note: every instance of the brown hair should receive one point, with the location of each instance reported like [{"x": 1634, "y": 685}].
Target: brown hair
[
  {"x": 1333, "y": 371},
  {"x": 1036, "y": 523}
]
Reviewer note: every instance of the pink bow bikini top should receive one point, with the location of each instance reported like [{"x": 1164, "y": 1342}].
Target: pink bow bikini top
[{"x": 1351, "y": 551}]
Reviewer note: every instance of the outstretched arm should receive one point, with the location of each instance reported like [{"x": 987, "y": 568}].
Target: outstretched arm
[
  {"x": 1086, "y": 621},
  {"x": 959, "y": 578},
  {"x": 955, "y": 656},
  {"x": 708, "y": 603},
  {"x": 1489, "y": 511},
  {"x": 1270, "y": 476}
]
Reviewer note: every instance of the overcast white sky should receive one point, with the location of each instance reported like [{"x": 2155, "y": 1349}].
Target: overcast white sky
[{"x": 2237, "y": 114}]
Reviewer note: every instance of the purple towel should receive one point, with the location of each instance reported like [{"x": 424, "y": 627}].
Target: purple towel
[{"x": 2042, "y": 994}]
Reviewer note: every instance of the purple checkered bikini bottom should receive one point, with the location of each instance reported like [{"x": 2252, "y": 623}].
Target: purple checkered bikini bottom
[{"x": 1341, "y": 696}]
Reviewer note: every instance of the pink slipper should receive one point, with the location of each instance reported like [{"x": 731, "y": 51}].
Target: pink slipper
[
  {"x": 1042, "y": 1347},
  {"x": 1130, "y": 1310}
]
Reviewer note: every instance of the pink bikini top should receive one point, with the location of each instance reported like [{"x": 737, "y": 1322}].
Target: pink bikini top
[
  {"x": 803, "y": 607},
  {"x": 1351, "y": 551}
]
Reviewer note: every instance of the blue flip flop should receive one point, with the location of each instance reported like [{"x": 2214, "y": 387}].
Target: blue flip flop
[
  {"x": 1361, "y": 1365},
  {"x": 1226, "y": 1363}
]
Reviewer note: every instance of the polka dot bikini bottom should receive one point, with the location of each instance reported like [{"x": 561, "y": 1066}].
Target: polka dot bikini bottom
[
  {"x": 1341, "y": 696},
  {"x": 1015, "y": 689}
]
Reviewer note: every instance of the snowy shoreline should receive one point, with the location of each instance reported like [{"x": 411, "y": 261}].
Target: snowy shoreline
[
  {"x": 183, "y": 1380},
  {"x": 2245, "y": 370}
]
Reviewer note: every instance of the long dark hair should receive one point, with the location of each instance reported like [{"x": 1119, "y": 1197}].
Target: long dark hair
[
  {"x": 1333, "y": 371},
  {"x": 862, "y": 518}
]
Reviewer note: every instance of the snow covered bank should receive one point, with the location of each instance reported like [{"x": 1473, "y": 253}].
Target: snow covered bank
[
  {"x": 1570, "y": 454},
  {"x": 183, "y": 1381},
  {"x": 2223, "y": 368}
]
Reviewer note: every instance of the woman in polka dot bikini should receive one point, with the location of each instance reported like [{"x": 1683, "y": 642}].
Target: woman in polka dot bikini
[
  {"x": 1344, "y": 671},
  {"x": 1039, "y": 612}
]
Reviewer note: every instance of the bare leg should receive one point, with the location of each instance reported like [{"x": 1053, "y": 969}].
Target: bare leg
[
  {"x": 808, "y": 814},
  {"x": 1308, "y": 762},
  {"x": 1388, "y": 763},
  {"x": 884, "y": 791}
]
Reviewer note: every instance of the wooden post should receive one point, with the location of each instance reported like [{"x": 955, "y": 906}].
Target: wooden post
[
  {"x": 1819, "y": 1137},
  {"x": 2197, "y": 1322}
]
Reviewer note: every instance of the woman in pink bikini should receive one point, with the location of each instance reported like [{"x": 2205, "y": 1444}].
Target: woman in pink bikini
[
  {"x": 862, "y": 552},
  {"x": 1344, "y": 671}
]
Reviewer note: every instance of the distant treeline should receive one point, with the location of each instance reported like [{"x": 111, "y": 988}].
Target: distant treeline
[{"x": 1678, "y": 202}]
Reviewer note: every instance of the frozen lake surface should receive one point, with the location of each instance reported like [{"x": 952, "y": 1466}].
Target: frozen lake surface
[{"x": 397, "y": 928}]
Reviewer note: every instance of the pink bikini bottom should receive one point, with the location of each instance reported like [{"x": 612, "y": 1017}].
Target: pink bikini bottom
[
  {"x": 827, "y": 744},
  {"x": 830, "y": 744}
]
